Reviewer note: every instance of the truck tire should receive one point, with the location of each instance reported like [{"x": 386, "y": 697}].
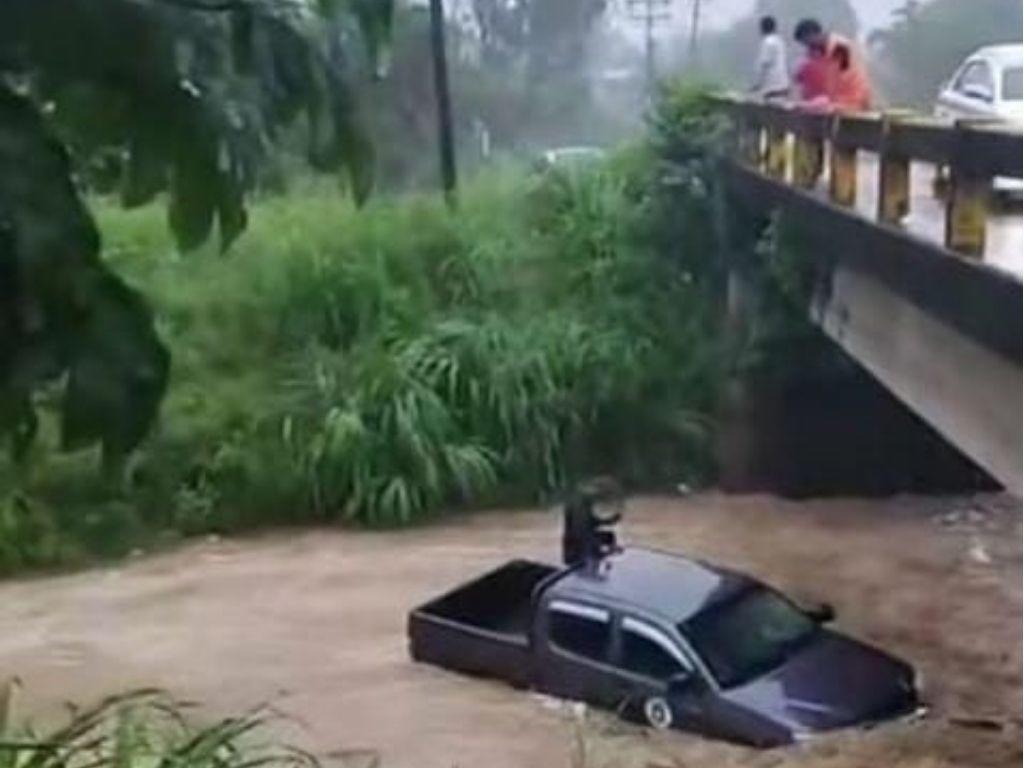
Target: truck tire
[{"x": 658, "y": 713}]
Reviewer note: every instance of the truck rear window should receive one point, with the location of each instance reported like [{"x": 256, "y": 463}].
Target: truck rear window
[{"x": 581, "y": 631}]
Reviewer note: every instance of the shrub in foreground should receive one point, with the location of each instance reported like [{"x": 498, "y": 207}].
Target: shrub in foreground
[
  {"x": 384, "y": 365},
  {"x": 141, "y": 729}
]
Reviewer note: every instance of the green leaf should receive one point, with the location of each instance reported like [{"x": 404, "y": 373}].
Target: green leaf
[
  {"x": 145, "y": 173},
  {"x": 231, "y": 214},
  {"x": 359, "y": 161},
  {"x": 194, "y": 187},
  {"x": 118, "y": 374},
  {"x": 19, "y": 420}
]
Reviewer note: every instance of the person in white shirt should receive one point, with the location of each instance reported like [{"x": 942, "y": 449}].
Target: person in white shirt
[{"x": 771, "y": 80}]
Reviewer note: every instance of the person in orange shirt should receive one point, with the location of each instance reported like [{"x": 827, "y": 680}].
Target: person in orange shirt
[{"x": 848, "y": 85}]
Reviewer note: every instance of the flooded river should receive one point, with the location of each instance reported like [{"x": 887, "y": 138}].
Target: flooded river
[{"x": 314, "y": 622}]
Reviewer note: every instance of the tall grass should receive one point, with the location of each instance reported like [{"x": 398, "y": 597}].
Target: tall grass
[
  {"x": 142, "y": 729},
  {"x": 382, "y": 365}
]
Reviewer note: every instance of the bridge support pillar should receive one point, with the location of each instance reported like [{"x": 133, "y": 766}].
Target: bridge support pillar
[
  {"x": 808, "y": 162},
  {"x": 967, "y": 203},
  {"x": 750, "y": 145},
  {"x": 893, "y": 175},
  {"x": 893, "y": 189},
  {"x": 843, "y": 176},
  {"x": 966, "y": 212},
  {"x": 775, "y": 157}
]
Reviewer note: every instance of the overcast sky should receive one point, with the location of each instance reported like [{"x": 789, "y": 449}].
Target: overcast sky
[
  {"x": 720, "y": 13},
  {"x": 873, "y": 13}
]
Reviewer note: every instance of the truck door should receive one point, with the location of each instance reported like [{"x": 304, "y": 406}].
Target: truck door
[
  {"x": 655, "y": 677},
  {"x": 575, "y": 652}
]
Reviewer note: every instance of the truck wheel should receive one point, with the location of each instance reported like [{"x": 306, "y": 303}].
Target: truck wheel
[{"x": 658, "y": 713}]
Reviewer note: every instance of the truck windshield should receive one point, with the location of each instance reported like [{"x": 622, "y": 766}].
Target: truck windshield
[{"x": 748, "y": 635}]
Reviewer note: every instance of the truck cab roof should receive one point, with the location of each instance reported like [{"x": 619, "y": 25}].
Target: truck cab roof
[{"x": 650, "y": 582}]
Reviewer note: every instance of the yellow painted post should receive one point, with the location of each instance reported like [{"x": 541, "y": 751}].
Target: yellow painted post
[
  {"x": 893, "y": 189},
  {"x": 967, "y": 202},
  {"x": 893, "y": 178},
  {"x": 751, "y": 153},
  {"x": 966, "y": 213},
  {"x": 808, "y": 161},
  {"x": 775, "y": 157},
  {"x": 843, "y": 175}
]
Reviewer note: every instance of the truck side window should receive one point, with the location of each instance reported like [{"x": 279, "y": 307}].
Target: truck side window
[
  {"x": 647, "y": 651},
  {"x": 580, "y": 629}
]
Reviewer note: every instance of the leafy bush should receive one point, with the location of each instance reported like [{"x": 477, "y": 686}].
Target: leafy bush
[
  {"x": 384, "y": 366},
  {"x": 28, "y": 535},
  {"x": 141, "y": 729}
]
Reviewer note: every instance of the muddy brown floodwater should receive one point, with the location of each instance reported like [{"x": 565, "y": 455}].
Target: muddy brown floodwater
[{"x": 315, "y": 623}]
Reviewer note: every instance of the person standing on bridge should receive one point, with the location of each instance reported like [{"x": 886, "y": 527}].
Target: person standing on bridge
[
  {"x": 771, "y": 78},
  {"x": 847, "y": 83},
  {"x": 813, "y": 78}
]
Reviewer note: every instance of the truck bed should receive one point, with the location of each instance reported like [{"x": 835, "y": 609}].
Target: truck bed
[{"x": 482, "y": 627}]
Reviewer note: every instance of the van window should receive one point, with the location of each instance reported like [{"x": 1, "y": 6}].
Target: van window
[
  {"x": 975, "y": 78},
  {"x": 580, "y": 629},
  {"x": 648, "y": 651},
  {"x": 1013, "y": 84}
]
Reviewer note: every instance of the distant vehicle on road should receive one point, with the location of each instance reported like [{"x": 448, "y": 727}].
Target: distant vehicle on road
[
  {"x": 988, "y": 85},
  {"x": 665, "y": 640},
  {"x": 568, "y": 157}
]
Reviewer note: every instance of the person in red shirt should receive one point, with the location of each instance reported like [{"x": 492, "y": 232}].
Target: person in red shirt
[
  {"x": 813, "y": 75},
  {"x": 847, "y": 83}
]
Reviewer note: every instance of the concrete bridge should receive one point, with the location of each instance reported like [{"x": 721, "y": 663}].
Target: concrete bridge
[{"x": 923, "y": 291}]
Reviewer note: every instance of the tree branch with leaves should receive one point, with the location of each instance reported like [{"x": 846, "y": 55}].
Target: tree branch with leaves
[{"x": 188, "y": 96}]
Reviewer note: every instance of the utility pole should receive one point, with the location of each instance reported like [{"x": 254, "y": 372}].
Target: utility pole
[
  {"x": 446, "y": 139},
  {"x": 694, "y": 32},
  {"x": 649, "y": 46},
  {"x": 651, "y": 13}
]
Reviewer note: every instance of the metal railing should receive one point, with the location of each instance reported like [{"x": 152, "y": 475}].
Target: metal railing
[{"x": 796, "y": 146}]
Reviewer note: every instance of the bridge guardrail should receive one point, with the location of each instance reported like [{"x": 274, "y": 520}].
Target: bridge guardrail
[{"x": 792, "y": 145}]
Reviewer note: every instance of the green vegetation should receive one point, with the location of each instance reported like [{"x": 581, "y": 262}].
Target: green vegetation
[
  {"x": 382, "y": 365},
  {"x": 142, "y": 729},
  {"x": 371, "y": 368}
]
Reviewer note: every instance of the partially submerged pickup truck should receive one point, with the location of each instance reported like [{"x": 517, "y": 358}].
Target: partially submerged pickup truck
[{"x": 665, "y": 640}]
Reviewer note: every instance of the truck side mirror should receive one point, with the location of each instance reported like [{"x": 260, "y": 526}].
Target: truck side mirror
[{"x": 822, "y": 613}]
